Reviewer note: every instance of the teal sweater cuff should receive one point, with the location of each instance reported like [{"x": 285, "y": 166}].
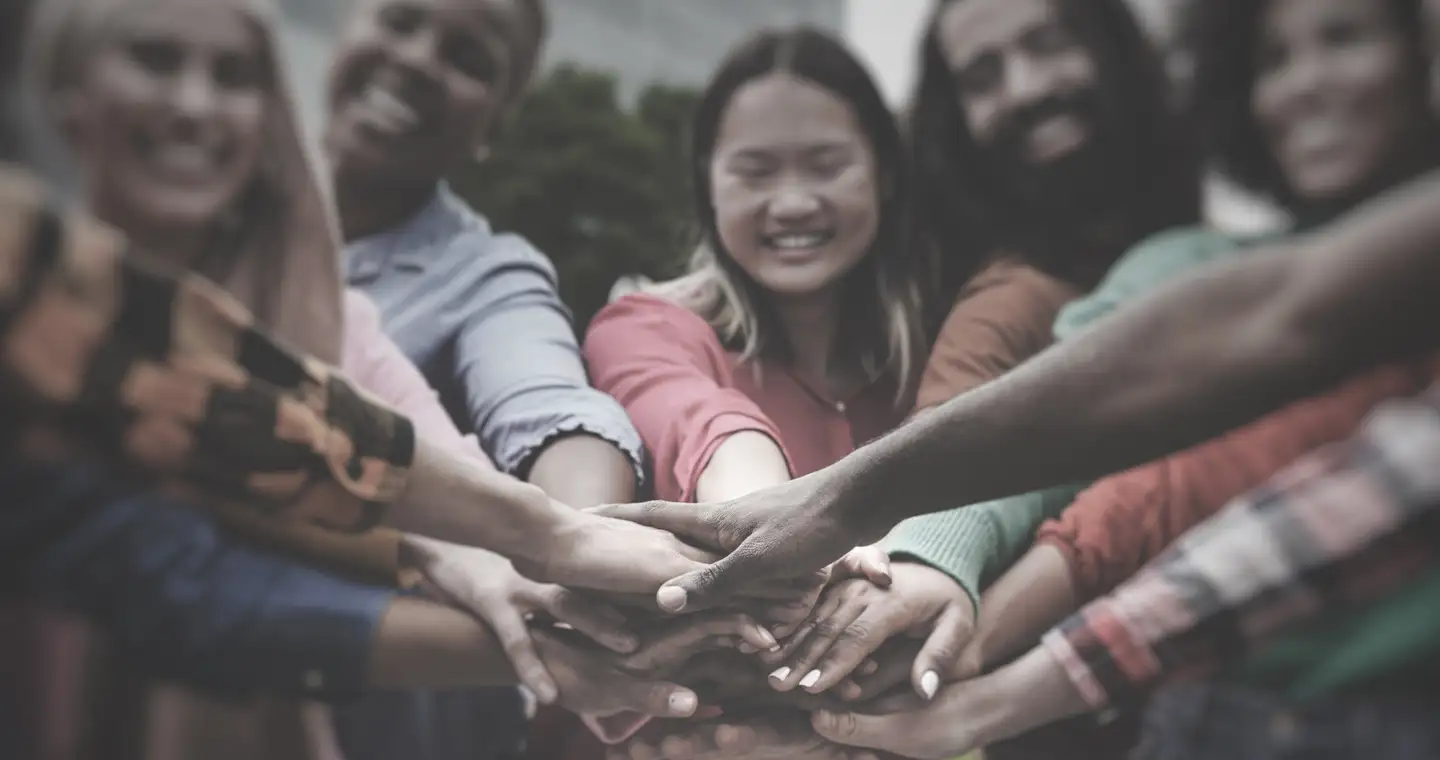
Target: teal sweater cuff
[{"x": 975, "y": 544}]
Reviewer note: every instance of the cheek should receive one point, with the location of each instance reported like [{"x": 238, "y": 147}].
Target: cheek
[
  {"x": 736, "y": 220},
  {"x": 981, "y": 115}
]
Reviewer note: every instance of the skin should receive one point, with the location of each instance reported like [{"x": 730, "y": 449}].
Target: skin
[
  {"x": 174, "y": 106},
  {"x": 168, "y": 118},
  {"x": 1334, "y": 98},
  {"x": 1333, "y": 68},
  {"x": 1010, "y": 59},
  {"x": 855, "y": 618},
  {"x": 416, "y": 87},
  {"x": 790, "y": 160},
  {"x": 1226, "y": 344}
]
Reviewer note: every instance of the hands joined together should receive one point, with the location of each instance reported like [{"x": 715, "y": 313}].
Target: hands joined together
[{"x": 858, "y": 660}]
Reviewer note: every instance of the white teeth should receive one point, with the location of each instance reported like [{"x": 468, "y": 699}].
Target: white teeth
[
  {"x": 389, "y": 112},
  {"x": 806, "y": 240},
  {"x": 183, "y": 158}
]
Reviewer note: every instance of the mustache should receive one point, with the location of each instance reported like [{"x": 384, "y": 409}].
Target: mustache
[{"x": 1010, "y": 136}]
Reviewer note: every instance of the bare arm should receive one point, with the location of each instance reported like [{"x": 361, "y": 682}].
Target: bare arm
[
  {"x": 747, "y": 461},
  {"x": 1219, "y": 348},
  {"x": 584, "y": 471}
]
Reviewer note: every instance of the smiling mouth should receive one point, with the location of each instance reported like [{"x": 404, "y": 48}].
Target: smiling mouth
[
  {"x": 181, "y": 160},
  {"x": 382, "y": 112},
  {"x": 799, "y": 241}
]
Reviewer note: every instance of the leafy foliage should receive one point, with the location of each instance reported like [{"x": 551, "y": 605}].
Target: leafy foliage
[{"x": 600, "y": 188}]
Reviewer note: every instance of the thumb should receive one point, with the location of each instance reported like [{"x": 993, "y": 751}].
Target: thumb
[
  {"x": 937, "y": 658},
  {"x": 855, "y": 730},
  {"x": 684, "y": 520},
  {"x": 712, "y": 584},
  {"x": 869, "y": 562}
]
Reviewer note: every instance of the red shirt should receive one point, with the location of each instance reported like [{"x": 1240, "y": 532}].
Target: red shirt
[{"x": 686, "y": 393}]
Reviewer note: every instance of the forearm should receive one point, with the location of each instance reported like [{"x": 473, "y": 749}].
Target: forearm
[
  {"x": 1034, "y": 595},
  {"x": 1220, "y": 348},
  {"x": 747, "y": 461},
  {"x": 452, "y": 497},
  {"x": 584, "y": 471},
  {"x": 1031, "y": 692},
  {"x": 422, "y": 644}
]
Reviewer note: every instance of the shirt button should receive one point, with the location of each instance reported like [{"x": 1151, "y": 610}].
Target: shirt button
[{"x": 314, "y": 680}]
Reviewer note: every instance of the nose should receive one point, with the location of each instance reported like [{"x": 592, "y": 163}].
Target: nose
[
  {"x": 194, "y": 94},
  {"x": 1301, "y": 84},
  {"x": 794, "y": 202},
  {"x": 1028, "y": 81},
  {"x": 418, "y": 51}
]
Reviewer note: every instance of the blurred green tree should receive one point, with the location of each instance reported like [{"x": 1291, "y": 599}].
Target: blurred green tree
[{"x": 599, "y": 188}]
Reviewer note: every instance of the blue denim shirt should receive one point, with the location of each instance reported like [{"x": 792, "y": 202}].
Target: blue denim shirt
[
  {"x": 182, "y": 597},
  {"x": 479, "y": 314}
]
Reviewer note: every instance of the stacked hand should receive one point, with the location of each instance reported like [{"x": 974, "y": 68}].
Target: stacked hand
[{"x": 777, "y": 534}]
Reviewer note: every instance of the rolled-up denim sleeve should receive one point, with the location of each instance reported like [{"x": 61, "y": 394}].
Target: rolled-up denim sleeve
[
  {"x": 519, "y": 359},
  {"x": 189, "y": 602}
]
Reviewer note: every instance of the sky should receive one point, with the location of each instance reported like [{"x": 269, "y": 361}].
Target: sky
[{"x": 884, "y": 34}]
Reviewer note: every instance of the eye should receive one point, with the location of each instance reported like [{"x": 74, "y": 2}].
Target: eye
[
  {"x": 156, "y": 56},
  {"x": 470, "y": 57},
  {"x": 401, "y": 19},
  {"x": 980, "y": 75},
  {"x": 236, "y": 71},
  {"x": 752, "y": 167},
  {"x": 828, "y": 163}
]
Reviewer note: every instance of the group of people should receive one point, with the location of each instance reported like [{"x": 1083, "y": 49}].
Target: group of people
[{"x": 959, "y": 433}]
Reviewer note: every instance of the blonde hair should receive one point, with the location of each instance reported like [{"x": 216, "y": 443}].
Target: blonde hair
[{"x": 279, "y": 250}]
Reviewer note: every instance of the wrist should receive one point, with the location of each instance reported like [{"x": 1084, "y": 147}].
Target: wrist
[{"x": 1031, "y": 692}]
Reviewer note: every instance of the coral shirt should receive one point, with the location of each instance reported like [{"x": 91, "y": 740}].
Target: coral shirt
[{"x": 686, "y": 393}]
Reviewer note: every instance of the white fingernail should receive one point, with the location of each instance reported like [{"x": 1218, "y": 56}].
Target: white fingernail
[
  {"x": 929, "y": 683},
  {"x": 682, "y": 703},
  {"x": 810, "y": 679},
  {"x": 780, "y": 674}
]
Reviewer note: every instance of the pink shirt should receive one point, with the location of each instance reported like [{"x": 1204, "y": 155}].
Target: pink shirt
[
  {"x": 686, "y": 393},
  {"x": 376, "y": 364}
]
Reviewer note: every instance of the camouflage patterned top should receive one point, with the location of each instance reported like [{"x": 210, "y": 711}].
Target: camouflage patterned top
[{"x": 102, "y": 356}]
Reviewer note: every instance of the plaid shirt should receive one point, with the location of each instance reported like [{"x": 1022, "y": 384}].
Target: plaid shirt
[
  {"x": 1346, "y": 524},
  {"x": 103, "y": 358}
]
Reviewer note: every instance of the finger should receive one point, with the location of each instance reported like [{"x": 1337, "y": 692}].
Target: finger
[
  {"x": 941, "y": 649},
  {"x": 971, "y": 662},
  {"x": 684, "y": 520},
  {"x": 822, "y": 637},
  {"x": 891, "y": 671},
  {"x": 710, "y": 585},
  {"x": 659, "y": 698},
  {"x": 601, "y": 622},
  {"x": 870, "y": 731},
  {"x": 890, "y": 704},
  {"x": 514, "y": 638},
  {"x": 685, "y": 636},
  {"x": 869, "y": 562},
  {"x": 856, "y": 643},
  {"x": 787, "y": 588},
  {"x": 828, "y": 606}
]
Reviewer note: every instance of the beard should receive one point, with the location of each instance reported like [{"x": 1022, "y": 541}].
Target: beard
[{"x": 1076, "y": 182}]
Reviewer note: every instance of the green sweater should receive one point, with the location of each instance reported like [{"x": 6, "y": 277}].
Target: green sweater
[
  {"x": 1392, "y": 641},
  {"x": 975, "y": 544}
]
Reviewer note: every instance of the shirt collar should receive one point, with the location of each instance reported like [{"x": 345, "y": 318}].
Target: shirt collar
[{"x": 410, "y": 244}]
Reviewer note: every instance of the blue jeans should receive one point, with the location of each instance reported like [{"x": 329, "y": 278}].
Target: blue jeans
[{"x": 1213, "y": 722}]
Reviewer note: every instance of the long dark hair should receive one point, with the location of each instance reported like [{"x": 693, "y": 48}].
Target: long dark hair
[
  {"x": 1224, "y": 35},
  {"x": 881, "y": 315},
  {"x": 965, "y": 217}
]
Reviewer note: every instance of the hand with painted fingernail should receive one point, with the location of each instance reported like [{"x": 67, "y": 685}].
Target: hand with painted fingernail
[
  {"x": 855, "y": 618},
  {"x": 590, "y": 681},
  {"x": 1028, "y": 693},
  {"x": 487, "y": 586}
]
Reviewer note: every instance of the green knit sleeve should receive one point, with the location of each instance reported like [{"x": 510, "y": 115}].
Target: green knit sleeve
[
  {"x": 975, "y": 544},
  {"x": 1146, "y": 266}
]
